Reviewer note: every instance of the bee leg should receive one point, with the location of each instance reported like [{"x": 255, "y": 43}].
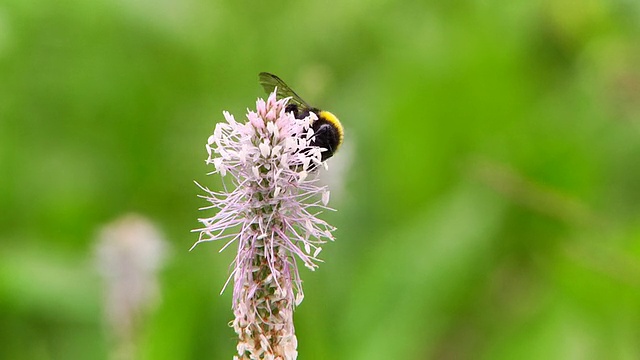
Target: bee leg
[{"x": 324, "y": 136}]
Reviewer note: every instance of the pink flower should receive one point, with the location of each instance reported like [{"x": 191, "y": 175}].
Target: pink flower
[{"x": 269, "y": 209}]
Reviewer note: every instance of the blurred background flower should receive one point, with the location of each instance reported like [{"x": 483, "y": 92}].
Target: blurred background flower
[
  {"x": 130, "y": 251},
  {"x": 490, "y": 208}
]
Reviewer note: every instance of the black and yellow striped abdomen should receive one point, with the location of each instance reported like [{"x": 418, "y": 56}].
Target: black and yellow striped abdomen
[{"x": 328, "y": 133}]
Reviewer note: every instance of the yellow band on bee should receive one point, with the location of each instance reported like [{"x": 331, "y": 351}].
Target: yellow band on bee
[{"x": 333, "y": 120}]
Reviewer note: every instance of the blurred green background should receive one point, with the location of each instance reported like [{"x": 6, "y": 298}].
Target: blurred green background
[{"x": 487, "y": 190}]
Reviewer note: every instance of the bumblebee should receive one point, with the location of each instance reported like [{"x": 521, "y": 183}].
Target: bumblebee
[{"x": 328, "y": 132}]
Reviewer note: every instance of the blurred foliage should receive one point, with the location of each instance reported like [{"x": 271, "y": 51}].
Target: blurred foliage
[{"x": 487, "y": 195}]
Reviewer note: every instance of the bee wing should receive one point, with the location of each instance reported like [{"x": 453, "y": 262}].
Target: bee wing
[{"x": 270, "y": 82}]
